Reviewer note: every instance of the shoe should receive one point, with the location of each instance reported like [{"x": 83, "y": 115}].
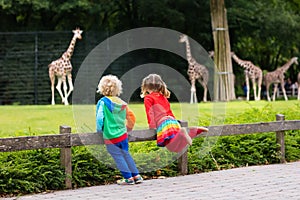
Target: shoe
[
  {"x": 125, "y": 181},
  {"x": 138, "y": 179},
  {"x": 194, "y": 131},
  {"x": 201, "y": 129},
  {"x": 187, "y": 136}
]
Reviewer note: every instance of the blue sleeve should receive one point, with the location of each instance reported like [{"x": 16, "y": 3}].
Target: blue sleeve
[{"x": 99, "y": 116}]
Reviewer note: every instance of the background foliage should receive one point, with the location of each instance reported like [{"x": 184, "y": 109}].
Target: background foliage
[{"x": 265, "y": 32}]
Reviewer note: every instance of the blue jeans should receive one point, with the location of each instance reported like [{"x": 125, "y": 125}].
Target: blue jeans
[{"x": 123, "y": 159}]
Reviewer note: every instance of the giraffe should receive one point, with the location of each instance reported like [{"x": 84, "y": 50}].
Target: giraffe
[
  {"x": 277, "y": 76},
  {"x": 298, "y": 91},
  {"x": 195, "y": 72},
  {"x": 62, "y": 68},
  {"x": 251, "y": 72}
]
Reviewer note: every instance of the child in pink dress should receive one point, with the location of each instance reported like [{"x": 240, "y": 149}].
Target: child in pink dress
[{"x": 160, "y": 116}]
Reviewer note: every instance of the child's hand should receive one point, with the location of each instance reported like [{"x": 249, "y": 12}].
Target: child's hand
[{"x": 128, "y": 129}]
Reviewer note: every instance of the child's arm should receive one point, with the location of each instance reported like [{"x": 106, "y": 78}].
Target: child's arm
[
  {"x": 149, "y": 112},
  {"x": 99, "y": 116},
  {"x": 130, "y": 117}
]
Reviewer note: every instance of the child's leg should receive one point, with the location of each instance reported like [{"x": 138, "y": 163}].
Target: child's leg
[
  {"x": 131, "y": 169},
  {"x": 132, "y": 166},
  {"x": 118, "y": 156},
  {"x": 130, "y": 163},
  {"x": 182, "y": 139},
  {"x": 179, "y": 142},
  {"x": 186, "y": 136}
]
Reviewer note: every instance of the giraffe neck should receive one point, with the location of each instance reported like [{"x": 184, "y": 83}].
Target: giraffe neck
[
  {"x": 188, "y": 52},
  {"x": 286, "y": 66},
  {"x": 236, "y": 59},
  {"x": 240, "y": 62},
  {"x": 70, "y": 50}
]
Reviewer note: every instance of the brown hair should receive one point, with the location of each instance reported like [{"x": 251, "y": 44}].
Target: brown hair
[
  {"x": 153, "y": 82},
  {"x": 110, "y": 85}
]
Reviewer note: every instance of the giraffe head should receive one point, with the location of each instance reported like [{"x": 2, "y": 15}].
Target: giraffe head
[
  {"x": 295, "y": 60},
  {"x": 211, "y": 54},
  {"x": 183, "y": 38},
  {"x": 77, "y": 33}
]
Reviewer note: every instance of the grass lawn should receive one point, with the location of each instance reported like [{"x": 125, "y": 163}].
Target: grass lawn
[{"x": 46, "y": 119}]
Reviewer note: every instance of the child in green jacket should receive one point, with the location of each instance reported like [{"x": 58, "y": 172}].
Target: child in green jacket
[{"x": 114, "y": 119}]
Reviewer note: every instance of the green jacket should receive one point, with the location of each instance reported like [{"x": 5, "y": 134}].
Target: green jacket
[{"x": 113, "y": 117}]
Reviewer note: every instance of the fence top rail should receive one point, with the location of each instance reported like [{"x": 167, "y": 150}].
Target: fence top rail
[{"x": 80, "y": 139}]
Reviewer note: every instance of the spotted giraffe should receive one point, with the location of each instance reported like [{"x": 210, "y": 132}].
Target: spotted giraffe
[
  {"x": 251, "y": 72},
  {"x": 62, "y": 68},
  {"x": 277, "y": 76},
  {"x": 195, "y": 72}
]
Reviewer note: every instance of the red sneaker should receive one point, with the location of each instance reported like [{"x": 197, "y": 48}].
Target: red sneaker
[{"x": 196, "y": 130}]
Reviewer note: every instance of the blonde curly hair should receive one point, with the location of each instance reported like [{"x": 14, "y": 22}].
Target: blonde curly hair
[
  {"x": 154, "y": 83},
  {"x": 110, "y": 85}
]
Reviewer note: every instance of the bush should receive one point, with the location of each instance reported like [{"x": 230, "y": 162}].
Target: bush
[{"x": 30, "y": 172}]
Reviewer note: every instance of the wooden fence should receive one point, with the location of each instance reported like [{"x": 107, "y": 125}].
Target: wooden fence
[{"x": 65, "y": 140}]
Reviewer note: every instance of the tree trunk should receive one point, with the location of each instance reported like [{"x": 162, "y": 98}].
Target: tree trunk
[{"x": 224, "y": 77}]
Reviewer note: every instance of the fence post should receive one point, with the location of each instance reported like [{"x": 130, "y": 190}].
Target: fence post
[
  {"x": 280, "y": 140},
  {"x": 183, "y": 159},
  {"x": 66, "y": 157}
]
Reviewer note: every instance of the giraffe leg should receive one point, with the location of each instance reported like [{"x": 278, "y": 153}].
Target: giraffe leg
[
  {"x": 71, "y": 87},
  {"x": 248, "y": 87},
  {"x": 254, "y": 89},
  {"x": 193, "y": 95},
  {"x": 259, "y": 93},
  {"x": 58, "y": 87},
  {"x": 65, "y": 99},
  {"x": 259, "y": 89},
  {"x": 52, "y": 80},
  {"x": 205, "y": 94},
  {"x": 267, "y": 90},
  {"x": 204, "y": 85},
  {"x": 283, "y": 90},
  {"x": 193, "y": 92},
  {"x": 275, "y": 91}
]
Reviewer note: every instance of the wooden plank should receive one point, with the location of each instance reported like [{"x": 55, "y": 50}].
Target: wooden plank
[
  {"x": 96, "y": 138},
  {"x": 64, "y": 140},
  {"x": 280, "y": 140},
  {"x": 142, "y": 135},
  {"x": 183, "y": 163},
  {"x": 86, "y": 139},
  {"x": 34, "y": 142},
  {"x": 237, "y": 129},
  {"x": 66, "y": 157},
  {"x": 183, "y": 159}
]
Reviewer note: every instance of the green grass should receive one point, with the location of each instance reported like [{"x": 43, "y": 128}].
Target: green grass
[
  {"x": 37, "y": 120},
  {"x": 33, "y": 120}
]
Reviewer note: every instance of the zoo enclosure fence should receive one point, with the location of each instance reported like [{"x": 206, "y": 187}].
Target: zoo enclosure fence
[
  {"x": 65, "y": 140},
  {"x": 24, "y": 60}
]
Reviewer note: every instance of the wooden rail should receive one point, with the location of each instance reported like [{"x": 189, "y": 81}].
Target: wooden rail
[{"x": 65, "y": 140}]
